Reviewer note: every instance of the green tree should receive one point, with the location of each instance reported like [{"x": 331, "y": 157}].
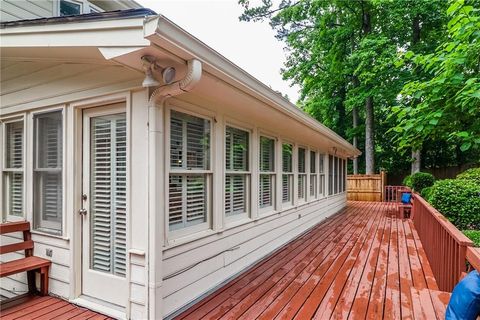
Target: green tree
[
  {"x": 342, "y": 53},
  {"x": 445, "y": 104}
]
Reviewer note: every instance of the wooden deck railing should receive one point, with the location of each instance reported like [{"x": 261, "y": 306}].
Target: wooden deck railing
[
  {"x": 394, "y": 193},
  {"x": 448, "y": 250}
]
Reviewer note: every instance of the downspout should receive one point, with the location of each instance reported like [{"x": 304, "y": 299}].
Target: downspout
[{"x": 156, "y": 181}]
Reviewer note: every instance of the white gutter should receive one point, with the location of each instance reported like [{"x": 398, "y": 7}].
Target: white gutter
[{"x": 156, "y": 180}]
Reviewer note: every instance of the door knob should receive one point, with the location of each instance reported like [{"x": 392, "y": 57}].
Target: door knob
[{"x": 82, "y": 212}]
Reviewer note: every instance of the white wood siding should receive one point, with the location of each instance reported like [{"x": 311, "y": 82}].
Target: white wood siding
[
  {"x": 59, "y": 271},
  {"x": 29, "y": 85},
  {"x": 11, "y": 10}
]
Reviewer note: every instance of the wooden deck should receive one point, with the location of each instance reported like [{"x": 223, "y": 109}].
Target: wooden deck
[
  {"x": 359, "y": 264},
  {"x": 45, "y": 308}
]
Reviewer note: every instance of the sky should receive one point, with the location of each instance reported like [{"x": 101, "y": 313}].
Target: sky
[{"x": 250, "y": 45}]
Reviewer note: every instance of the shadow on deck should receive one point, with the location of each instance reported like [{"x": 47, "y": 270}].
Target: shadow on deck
[{"x": 362, "y": 263}]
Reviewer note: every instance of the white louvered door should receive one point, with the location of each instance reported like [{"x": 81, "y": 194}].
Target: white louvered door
[{"x": 104, "y": 222}]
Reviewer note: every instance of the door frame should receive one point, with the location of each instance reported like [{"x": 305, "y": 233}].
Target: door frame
[{"x": 75, "y": 167}]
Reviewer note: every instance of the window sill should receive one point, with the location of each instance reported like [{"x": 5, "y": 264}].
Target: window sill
[
  {"x": 46, "y": 234},
  {"x": 236, "y": 223},
  {"x": 174, "y": 242}
]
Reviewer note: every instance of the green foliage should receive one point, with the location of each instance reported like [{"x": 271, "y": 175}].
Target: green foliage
[
  {"x": 422, "y": 180},
  {"x": 399, "y": 54},
  {"x": 459, "y": 201},
  {"x": 407, "y": 181},
  {"x": 470, "y": 174},
  {"x": 427, "y": 193},
  {"x": 446, "y": 103},
  {"x": 473, "y": 235}
]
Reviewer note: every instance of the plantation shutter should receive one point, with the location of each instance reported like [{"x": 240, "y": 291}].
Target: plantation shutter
[
  {"x": 267, "y": 156},
  {"x": 189, "y": 153},
  {"x": 14, "y": 167},
  {"x": 108, "y": 194},
  {"x": 287, "y": 176},
  {"x": 236, "y": 166},
  {"x": 48, "y": 166}
]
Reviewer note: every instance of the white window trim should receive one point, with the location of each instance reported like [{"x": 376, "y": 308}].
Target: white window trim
[
  {"x": 244, "y": 215},
  {"x": 273, "y": 174},
  {"x": 174, "y": 235},
  {"x": 85, "y": 6},
  {"x": 3, "y": 155},
  {"x": 30, "y": 169}
]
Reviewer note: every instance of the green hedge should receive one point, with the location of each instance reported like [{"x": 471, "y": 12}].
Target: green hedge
[
  {"x": 459, "y": 201},
  {"x": 421, "y": 180},
  {"x": 470, "y": 174},
  {"x": 474, "y": 235},
  {"x": 407, "y": 181}
]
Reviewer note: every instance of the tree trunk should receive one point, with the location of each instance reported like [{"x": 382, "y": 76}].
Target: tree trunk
[
  {"x": 369, "y": 143},
  {"x": 355, "y": 143},
  {"x": 341, "y": 121},
  {"x": 416, "y": 156}
]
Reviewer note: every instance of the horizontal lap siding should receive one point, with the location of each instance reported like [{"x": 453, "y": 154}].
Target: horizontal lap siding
[
  {"x": 59, "y": 270},
  {"x": 11, "y": 10},
  {"x": 30, "y": 85},
  {"x": 211, "y": 264}
]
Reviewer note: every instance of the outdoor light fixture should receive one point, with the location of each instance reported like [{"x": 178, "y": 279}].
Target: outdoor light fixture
[
  {"x": 168, "y": 74},
  {"x": 149, "y": 65}
]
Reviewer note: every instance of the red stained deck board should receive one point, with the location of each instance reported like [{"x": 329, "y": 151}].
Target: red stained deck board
[
  {"x": 292, "y": 281},
  {"x": 273, "y": 262},
  {"x": 361, "y": 264},
  {"x": 47, "y": 308}
]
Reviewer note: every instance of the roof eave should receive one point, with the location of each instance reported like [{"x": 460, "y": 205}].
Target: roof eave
[{"x": 164, "y": 32}]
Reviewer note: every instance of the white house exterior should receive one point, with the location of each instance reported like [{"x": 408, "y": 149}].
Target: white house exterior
[{"x": 145, "y": 199}]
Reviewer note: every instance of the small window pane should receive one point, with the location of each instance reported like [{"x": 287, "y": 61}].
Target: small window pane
[
  {"x": 267, "y": 154},
  {"x": 287, "y": 157},
  {"x": 13, "y": 183},
  {"x": 187, "y": 200},
  {"x": 266, "y": 190},
  {"x": 189, "y": 142},
  {"x": 313, "y": 162},
  {"x": 68, "y": 8},
  {"x": 236, "y": 149},
  {"x": 287, "y": 183},
  {"x": 301, "y": 160},
  {"x": 14, "y": 148},
  {"x": 47, "y": 187},
  {"x": 235, "y": 194}
]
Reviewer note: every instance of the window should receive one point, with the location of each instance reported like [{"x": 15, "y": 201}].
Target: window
[
  {"x": 313, "y": 174},
  {"x": 13, "y": 175},
  {"x": 302, "y": 176},
  {"x": 344, "y": 178},
  {"x": 340, "y": 175},
  {"x": 189, "y": 177},
  {"x": 321, "y": 190},
  {"x": 287, "y": 173},
  {"x": 47, "y": 172},
  {"x": 335, "y": 175},
  {"x": 330, "y": 174},
  {"x": 267, "y": 172},
  {"x": 68, "y": 8},
  {"x": 237, "y": 171}
]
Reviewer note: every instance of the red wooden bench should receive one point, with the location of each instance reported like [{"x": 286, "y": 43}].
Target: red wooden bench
[{"x": 30, "y": 263}]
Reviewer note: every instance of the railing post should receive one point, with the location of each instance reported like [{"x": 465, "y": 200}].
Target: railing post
[{"x": 382, "y": 179}]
